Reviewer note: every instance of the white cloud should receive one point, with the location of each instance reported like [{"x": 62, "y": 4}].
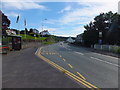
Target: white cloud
[
  {"x": 47, "y": 28},
  {"x": 68, "y": 8},
  {"x": 72, "y": 17},
  {"x": 79, "y": 29},
  {"x": 83, "y": 15},
  {"x": 17, "y": 4},
  {"x": 90, "y": 11},
  {"x": 75, "y": 31},
  {"x": 63, "y": 0},
  {"x": 12, "y": 14}
]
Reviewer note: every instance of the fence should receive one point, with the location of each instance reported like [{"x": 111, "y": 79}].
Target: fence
[
  {"x": 110, "y": 48},
  {"x": 30, "y": 44}
]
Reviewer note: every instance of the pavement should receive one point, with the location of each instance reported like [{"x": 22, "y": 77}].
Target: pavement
[
  {"x": 23, "y": 69},
  {"x": 97, "y": 69}
]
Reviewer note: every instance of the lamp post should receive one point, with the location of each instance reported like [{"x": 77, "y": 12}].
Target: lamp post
[{"x": 42, "y": 25}]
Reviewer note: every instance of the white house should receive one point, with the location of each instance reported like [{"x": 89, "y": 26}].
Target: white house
[
  {"x": 45, "y": 32},
  {"x": 36, "y": 31},
  {"x": 79, "y": 38},
  {"x": 70, "y": 40}
]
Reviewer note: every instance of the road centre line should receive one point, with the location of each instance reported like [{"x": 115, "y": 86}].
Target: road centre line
[
  {"x": 64, "y": 59},
  {"x": 81, "y": 75},
  {"x": 78, "y": 79},
  {"x": 36, "y": 51},
  {"x": 79, "y": 53},
  {"x": 70, "y": 65},
  {"x": 60, "y": 56},
  {"x": 105, "y": 61}
]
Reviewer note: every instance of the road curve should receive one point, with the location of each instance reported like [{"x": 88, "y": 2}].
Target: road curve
[{"x": 99, "y": 70}]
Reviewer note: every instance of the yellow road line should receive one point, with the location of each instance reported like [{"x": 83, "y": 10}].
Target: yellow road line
[
  {"x": 45, "y": 59},
  {"x": 53, "y": 64},
  {"x": 78, "y": 80},
  {"x": 81, "y": 75},
  {"x": 70, "y": 65},
  {"x": 87, "y": 84},
  {"x": 60, "y": 56}
]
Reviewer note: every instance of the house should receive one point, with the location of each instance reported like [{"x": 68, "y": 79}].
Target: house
[
  {"x": 79, "y": 38},
  {"x": 45, "y": 32},
  {"x": 70, "y": 40},
  {"x": 36, "y": 31}
]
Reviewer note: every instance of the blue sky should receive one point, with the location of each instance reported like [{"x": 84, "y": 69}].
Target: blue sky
[{"x": 63, "y": 18}]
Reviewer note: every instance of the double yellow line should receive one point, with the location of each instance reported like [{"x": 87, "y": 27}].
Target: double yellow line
[{"x": 78, "y": 79}]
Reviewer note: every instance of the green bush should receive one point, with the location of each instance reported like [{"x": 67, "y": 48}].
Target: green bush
[{"x": 116, "y": 49}]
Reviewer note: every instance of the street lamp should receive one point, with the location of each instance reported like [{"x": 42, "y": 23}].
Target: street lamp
[{"x": 42, "y": 24}]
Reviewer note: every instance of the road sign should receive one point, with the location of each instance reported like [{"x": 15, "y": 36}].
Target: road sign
[
  {"x": 34, "y": 35},
  {"x": 100, "y": 41},
  {"x": 100, "y": 34}
]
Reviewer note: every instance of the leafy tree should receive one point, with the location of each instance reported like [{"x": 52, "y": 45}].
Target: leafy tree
[
  {"x": 22, "y": 32},
  {"x": 30, "y": 31},
  {"x": 26, "y": 30},
  {"x": 90, "y": 37},
  {"x": 108, "y": 24},
  {"x": 5, "y": 21},
  {"x": 113, "y": 35}
]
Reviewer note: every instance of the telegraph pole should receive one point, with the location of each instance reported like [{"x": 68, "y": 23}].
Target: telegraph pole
[{"x": 42, "y": 24}]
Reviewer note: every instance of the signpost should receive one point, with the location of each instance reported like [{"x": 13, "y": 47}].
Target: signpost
[{"x": 100, "y": 37}]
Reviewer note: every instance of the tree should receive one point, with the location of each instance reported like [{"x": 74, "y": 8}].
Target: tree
[
  {"x": 113, "y": 35},
  {"x": 31, "y": 30},
  {"x": 90, "y": 37},
  {"x": 5, "y": 21},
  {"x": 22, "y": 32},
  {"x": 26, "y": 30},
  {"x": 108, "y": 24}
]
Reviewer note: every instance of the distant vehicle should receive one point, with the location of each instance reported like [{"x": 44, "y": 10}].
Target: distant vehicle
[{"x": 61, "y": 43}]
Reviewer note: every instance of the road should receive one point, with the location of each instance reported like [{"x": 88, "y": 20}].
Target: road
[
  {"x": 23, "y": 69},
  {"x": 99, "y": 70}
]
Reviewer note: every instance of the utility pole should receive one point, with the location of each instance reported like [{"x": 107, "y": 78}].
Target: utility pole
[
  {"x": 42, "y": 24},
  {"x": 25, "y": 27},
  {"x": 17, "y": 21}
]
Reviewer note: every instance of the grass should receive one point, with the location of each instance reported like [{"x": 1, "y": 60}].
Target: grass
[
  {"x": 28, "y": 37},
  {"x": 48, "y": 43}
]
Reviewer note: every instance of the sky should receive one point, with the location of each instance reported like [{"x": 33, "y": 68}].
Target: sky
[{"x": 59, "y": 17}]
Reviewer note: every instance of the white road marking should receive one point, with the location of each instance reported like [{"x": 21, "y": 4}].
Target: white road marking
[
  {"x": 79, "y": 53},
  {"x": 67, "y": 48},
  {"x": 105, "y": 61},
  {"x": 106, "y": 56},
  {"x": 37, "y": 50}
]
